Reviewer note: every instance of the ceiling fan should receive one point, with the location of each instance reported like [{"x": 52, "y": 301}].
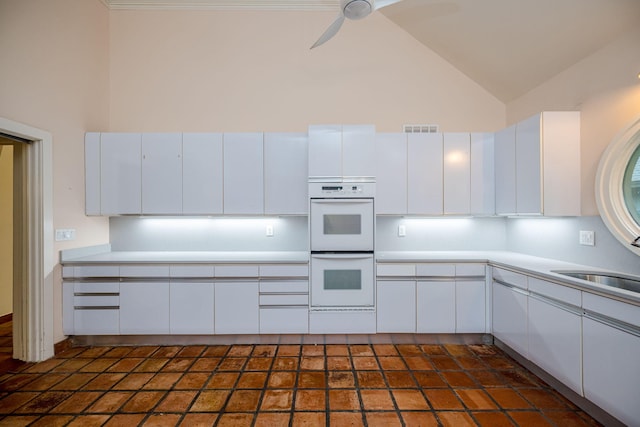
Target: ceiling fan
[{"x": 352, "y": 9}]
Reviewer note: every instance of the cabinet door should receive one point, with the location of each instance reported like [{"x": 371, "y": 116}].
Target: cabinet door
[
  {"x": 611, "y": 369},
  {"x": 505, "y": 170},
  {"x": 528, "y": 167},
  {"x": 555, "y": 341},
  {"x": 92, "y": 173},
  {"x": 325, "y": 151},
  {"x": 202, "y": 173},
  {"x": 457, "y": 173},
  {"x": 120, "y": 176},
  {"x": 162, "y": 173},
  {"x": 191, "y": 307},
  {"x": 510, "y": 317},
  {"x": 396, "y": 306},
  {"x": 286, "y": 173},
  {"x": 436, "y": 307},
  {"x": 483, "y": 200},
  {"x": 470, "y": 306},
  {"x": 424, "y": 174},
  {"x": 243, "y": 173},
  {"x": 358, "y": 150},
  {"x": 144, "y": 308},
  {"x": 236, "y": 307},
  {"x": 391, "y": 173}
]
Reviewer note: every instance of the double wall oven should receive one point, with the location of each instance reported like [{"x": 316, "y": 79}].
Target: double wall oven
[{"x": 342, "y": 224}]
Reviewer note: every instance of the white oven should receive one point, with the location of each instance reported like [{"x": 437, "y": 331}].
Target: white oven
[
  {"x": 342, "y": 280},
  {"x": 342, "y": 224}
]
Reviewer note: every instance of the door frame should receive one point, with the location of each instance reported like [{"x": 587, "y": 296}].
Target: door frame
[{"x": 33, "y": 294}]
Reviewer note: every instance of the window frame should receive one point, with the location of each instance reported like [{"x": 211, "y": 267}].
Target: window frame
[{"x": 609, "y": 190}]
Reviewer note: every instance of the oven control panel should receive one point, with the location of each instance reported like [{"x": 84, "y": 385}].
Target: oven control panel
[{"x": 342, "y": 189}]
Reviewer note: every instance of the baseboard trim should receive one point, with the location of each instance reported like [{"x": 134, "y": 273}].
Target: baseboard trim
[
  {"x": 6, "y": 318},
  {"x": 62, "y": 346}
]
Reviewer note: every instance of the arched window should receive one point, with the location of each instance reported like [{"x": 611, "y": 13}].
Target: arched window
[{"x": 618, "y": 187}]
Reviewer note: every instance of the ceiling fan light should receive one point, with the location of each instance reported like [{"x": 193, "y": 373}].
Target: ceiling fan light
[{"x": 357, "y": 9}]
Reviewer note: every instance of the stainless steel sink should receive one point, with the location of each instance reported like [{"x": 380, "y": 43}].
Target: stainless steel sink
[{"x": 608, "y": 279}]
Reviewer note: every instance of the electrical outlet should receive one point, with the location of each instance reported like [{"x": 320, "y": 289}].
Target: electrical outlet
[
  {"x": 269, "y": 231},
  {"x": 587, "y": 238},
  {"x": 64, "y": 234},
  {"x": 402, "y": 231}
]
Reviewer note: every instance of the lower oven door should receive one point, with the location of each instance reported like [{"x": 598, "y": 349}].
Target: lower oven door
[{"x": 342, "y": 280}]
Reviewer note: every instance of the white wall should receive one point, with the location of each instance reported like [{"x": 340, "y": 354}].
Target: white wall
[{"x": 253, "y": 71}]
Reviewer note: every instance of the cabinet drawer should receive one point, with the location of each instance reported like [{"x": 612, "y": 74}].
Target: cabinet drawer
[
  {"x": 470, "y": 270},
  {"x": 284, "y": 287},
  {"x": 284, "y": 320},
  {"x": 191, "y": 271},
  {"x": 510, "y": 277},
  {"x": 618, "y": 310},
  {"x": 96, "y": 322},
  {"x": 283, "y": 299},
  {"x": 144, "y": 271},
  {"x": 555, "y": 291},
  {"x": 96, "y": 271},
  {"x": 96, "y": 288},
  {"x": 436, "y": 270},
  {"x": 284, "y": 270},
  {"x": 237, "y": 271},
  {"x": 111, "y": 301},
  {"x": 396, "y": 270}
]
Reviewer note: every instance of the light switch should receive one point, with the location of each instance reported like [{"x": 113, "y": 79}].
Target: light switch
[
  {"x": 64, "y": 234},
  {"x": 587, "y": 238},
  {"x": 269, "y": 231},
  {"x": 402, "y": 231}
]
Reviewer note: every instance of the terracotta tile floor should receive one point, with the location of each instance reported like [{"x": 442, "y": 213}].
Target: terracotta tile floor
[{"x": 281, "y": 385}]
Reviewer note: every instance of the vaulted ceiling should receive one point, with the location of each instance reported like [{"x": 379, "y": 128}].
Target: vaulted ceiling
[{"x": 507, "y": 46}]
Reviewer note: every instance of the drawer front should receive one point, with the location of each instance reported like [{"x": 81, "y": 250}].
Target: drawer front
[
  {"x": 96, "y": 288},
  {"x": 284, "y": 320},
  {"x": 96, "y": 271},
  {"x": 144, "y": 271},
  {"x": 284, "y": 270},
  {"x": 297, "y": 287},
  {"x": 68, "y": 271},
  {"x": 510, "y": 277},
  {"x": 618, "y": 310},
  {"x": 396, "y": 270},
  {"x": 191, "y": 271},
  {"x": 96, "y": 322},
  {"x": 284, "y": 299},
  {"x": 96, "y": 301},
  {"x": 470, "y": 270},
  {"x": 237, "y": 271},
  {"x": 436, "y": 270},
  {"x": 555, "y": 291}
]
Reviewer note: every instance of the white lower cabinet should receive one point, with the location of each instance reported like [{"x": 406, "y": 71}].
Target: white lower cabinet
[
  {"x": 510, "y": 317},
  {"x": 96, "y": 308},
  {"x": 237, "y": 307},
  {"x": 555, "y": 341},
  {"x": 144, "y": 307},
  {"x": 191, "y": 307},
  {"x": 470, "y": 306},
  {"x": 284, "y": 320},
  {"x": 436, "y": 307},
  {"x": 396, "y": 306}
]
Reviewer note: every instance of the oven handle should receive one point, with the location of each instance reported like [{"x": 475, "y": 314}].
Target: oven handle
[
  {"x": 342, "y": 256},
  {"x": 342, "y": 201}
]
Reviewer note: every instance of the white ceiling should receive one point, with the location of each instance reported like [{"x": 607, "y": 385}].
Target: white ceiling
[{"x": 507, "y": 46}]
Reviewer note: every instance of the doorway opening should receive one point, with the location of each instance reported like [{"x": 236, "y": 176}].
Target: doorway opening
[{"x": 32, "y": 248}]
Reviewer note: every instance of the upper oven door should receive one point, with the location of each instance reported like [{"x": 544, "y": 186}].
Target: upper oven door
[{"x": 342, "y": 224}]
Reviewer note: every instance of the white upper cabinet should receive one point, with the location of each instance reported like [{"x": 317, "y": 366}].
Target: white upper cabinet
[
  {"x": 161, "y": 173},
  {"x": 337, "y": 151},
  {"x": 120, "y": 177},
  {"x": 202, "y": 173},
  {"x": 391, "y": 173},
  {"x": 286, "y": 173},
  {"x": 457, "y": 173},
  {"x": 548, "y": 164},
  {"x": 358, "y": 151},
  {"x": 505, "y": 170},
  {"x": 243, "y": 173},
  {"x": 425, "y": 174},
  {"x": 483, "y": 200},
  {"x": 92, "y": 173}
]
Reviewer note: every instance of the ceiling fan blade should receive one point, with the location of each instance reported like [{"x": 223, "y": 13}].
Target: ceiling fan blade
[
  {"x": 330, "y": 32},
  {"x": 379, "y": 4}
]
